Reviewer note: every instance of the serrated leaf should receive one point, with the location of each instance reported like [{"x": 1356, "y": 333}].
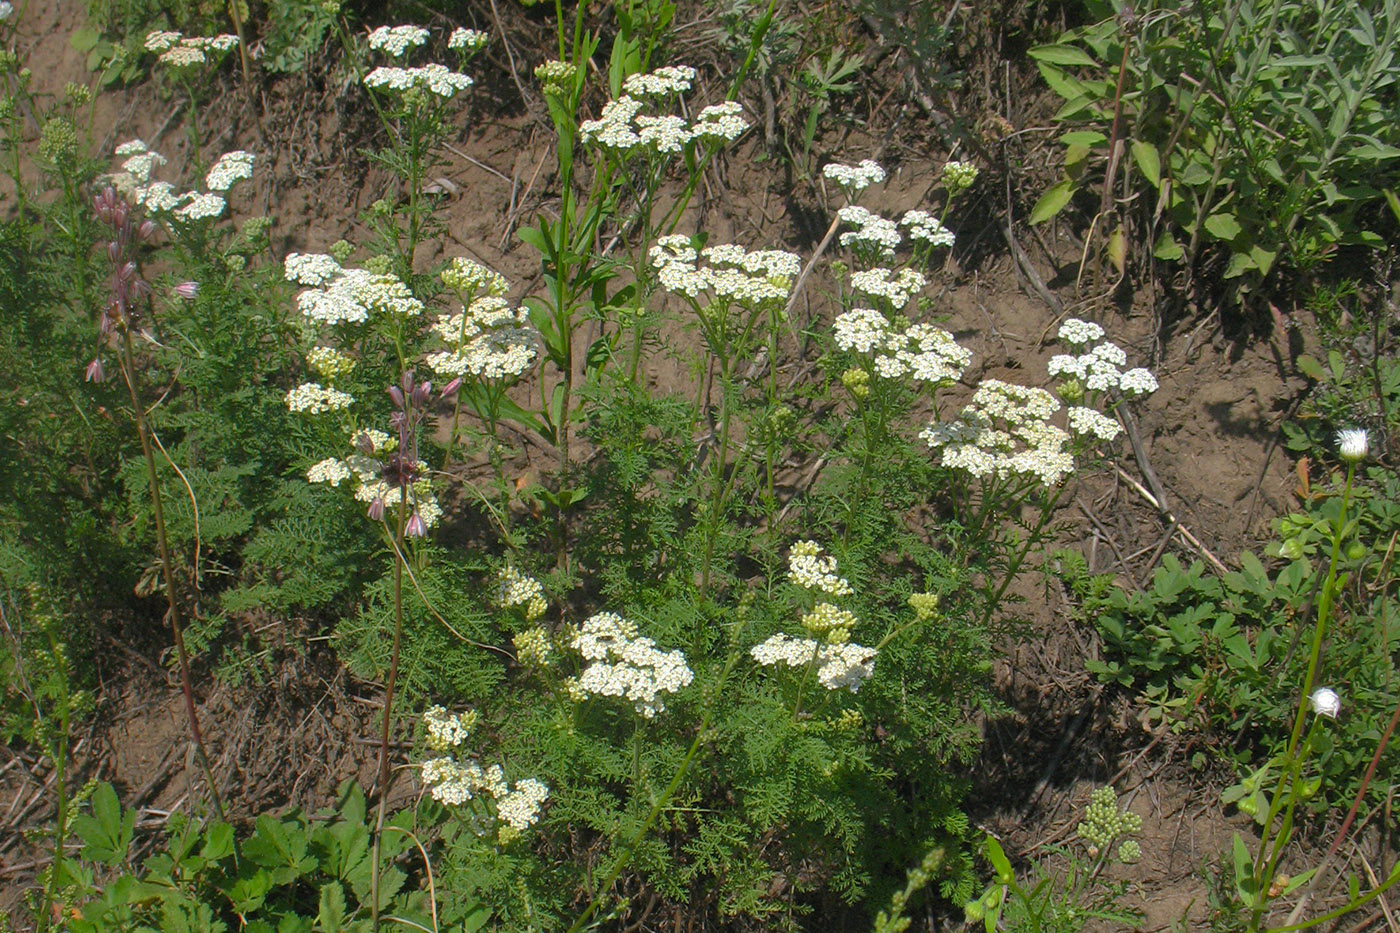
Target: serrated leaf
[{"x": 1052, "y": 201}]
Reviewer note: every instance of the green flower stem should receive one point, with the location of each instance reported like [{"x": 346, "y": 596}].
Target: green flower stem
[
  {"x": 143, "y": 431},
  {"x": 1266, "y": 861},
  {"x": 384, "y": 770},
  {"x": 625, "y": 856}
]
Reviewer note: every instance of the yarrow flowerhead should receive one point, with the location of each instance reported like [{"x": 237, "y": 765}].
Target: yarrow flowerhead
[
  {"x": 838, "y": 665},
  {"x": 671, "y": 79},
  {"x": 810, "y": 569},
  {"x": 927, "y": 228},
  {"x": 446, "y": 731},
  {"x": 396, "y": 40},
  {"x": 855, "y": 177},
  {"x": 1353, "y": 444},
  {"x": 1325, "y": 702},
  {"x": 896, "y": 288},
  {"x": 468, "y": 40},
  {"x": 515, "y": 589},
  {"x": 231, "y": 167},
  {"x": 1005, "y": 431},
  {"x": 433, "y": 78},
  {"x": 625, "y": 665}
]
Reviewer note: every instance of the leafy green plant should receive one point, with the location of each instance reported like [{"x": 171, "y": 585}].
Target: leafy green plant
[
  {"x": 1068, "y": 897},
  {"x": 1210, "y": 117},
  {"x": 291, "y": 871}
]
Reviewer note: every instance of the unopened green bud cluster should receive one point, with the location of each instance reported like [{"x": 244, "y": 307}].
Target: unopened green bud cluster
[{"x": 1103, "y": 822}]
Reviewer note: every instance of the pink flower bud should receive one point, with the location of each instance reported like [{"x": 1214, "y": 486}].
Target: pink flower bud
[
  {"x": 421, "y": 393},
  {"x": 187, "y": 290},
  {"x": 147, "y": 230},
  {"x": 114, "y": 252},
  {"x": 396, "y": 394},
  {"x": 94, "y": 372},
  {"x": 451, "y": 388},
  {"x": 376, "y": 509},
  {"x": 416, "y": 527},
  {"x": 364, "y": 443}
]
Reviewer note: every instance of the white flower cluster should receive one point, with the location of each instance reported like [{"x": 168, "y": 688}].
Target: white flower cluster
[
  {"x": 489, "y": 340},
  {"x": 314, "y": 269},
  {"x": 855, "y": 177},
  {"x": 396, "y": 40},
  {"x": 140, "y": 161},
  {"x": 201, "y": 206},
  {"x": 312, "y": 398},
  {"x": 520, "y": 808},
  {"x": 159, "y": 197},
  {"x": 453, "y": 781},
  {"x": 332, "y": 471},
  {"x": 720, "y": 123},
  {"x": 896, "y": 288},
  {"x": 446, "y": 730},
  {"x": 927, "y": 228},
  {"x": 434, "y": 78},
  {"x": 809, "y": 569},
  {"x": 330, "y": 363},
  {"x": 467, "y": 40},
  {"x": 514, "y": 588},
  {"x": 924, "y": 353},
  {"x": 625, "y": 665},
  {"x": 1097, "y": 368},
  {"x": 339, "y": 295},
  {"x": 1090, "y": 422},
  {"x": 672, "y": 79},
  {"x": 468, "y": 278},
  {"x": 183, "y": 51},
  {"x": 873, "y": 235},
  {"x": 731, "y": 273},
  {"x": 838, "y": 665},
  {"x": 623, "y": 129},
  {"x": 1005, "y": 431},
  {"x": 232, "y": 167},
  {"x": 921, "y": 351}
]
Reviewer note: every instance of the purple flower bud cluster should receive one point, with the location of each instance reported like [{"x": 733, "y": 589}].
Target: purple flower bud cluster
[
  {"x": 402, "y": 468},
  {"x": 128, "y": 289}
]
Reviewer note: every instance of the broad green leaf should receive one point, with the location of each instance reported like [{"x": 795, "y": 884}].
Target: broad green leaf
[
  {"x": 1118, "y": 250},
  {"x": 1052, "y": 201},
  {"x": 1000, "y": 863},
  {"x": 1145, "y": 154},
  {"x": 84, "y": 39},
  {"x": 1311, "y": 368},
  {"x": 1167, "y": 249},
  {"x": 1083, "y": 138},
  {"x": 1062, "y": 55},
  {"x": 1223, "y": 226},
  {"x": 1263, "y": 258},
  {"x": 1240, "y": 263}
]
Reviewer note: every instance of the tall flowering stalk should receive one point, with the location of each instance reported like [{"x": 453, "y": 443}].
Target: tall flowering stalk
[
  {"x": 130, "y": 303},
  {"x": 1260, "y": 887}
]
